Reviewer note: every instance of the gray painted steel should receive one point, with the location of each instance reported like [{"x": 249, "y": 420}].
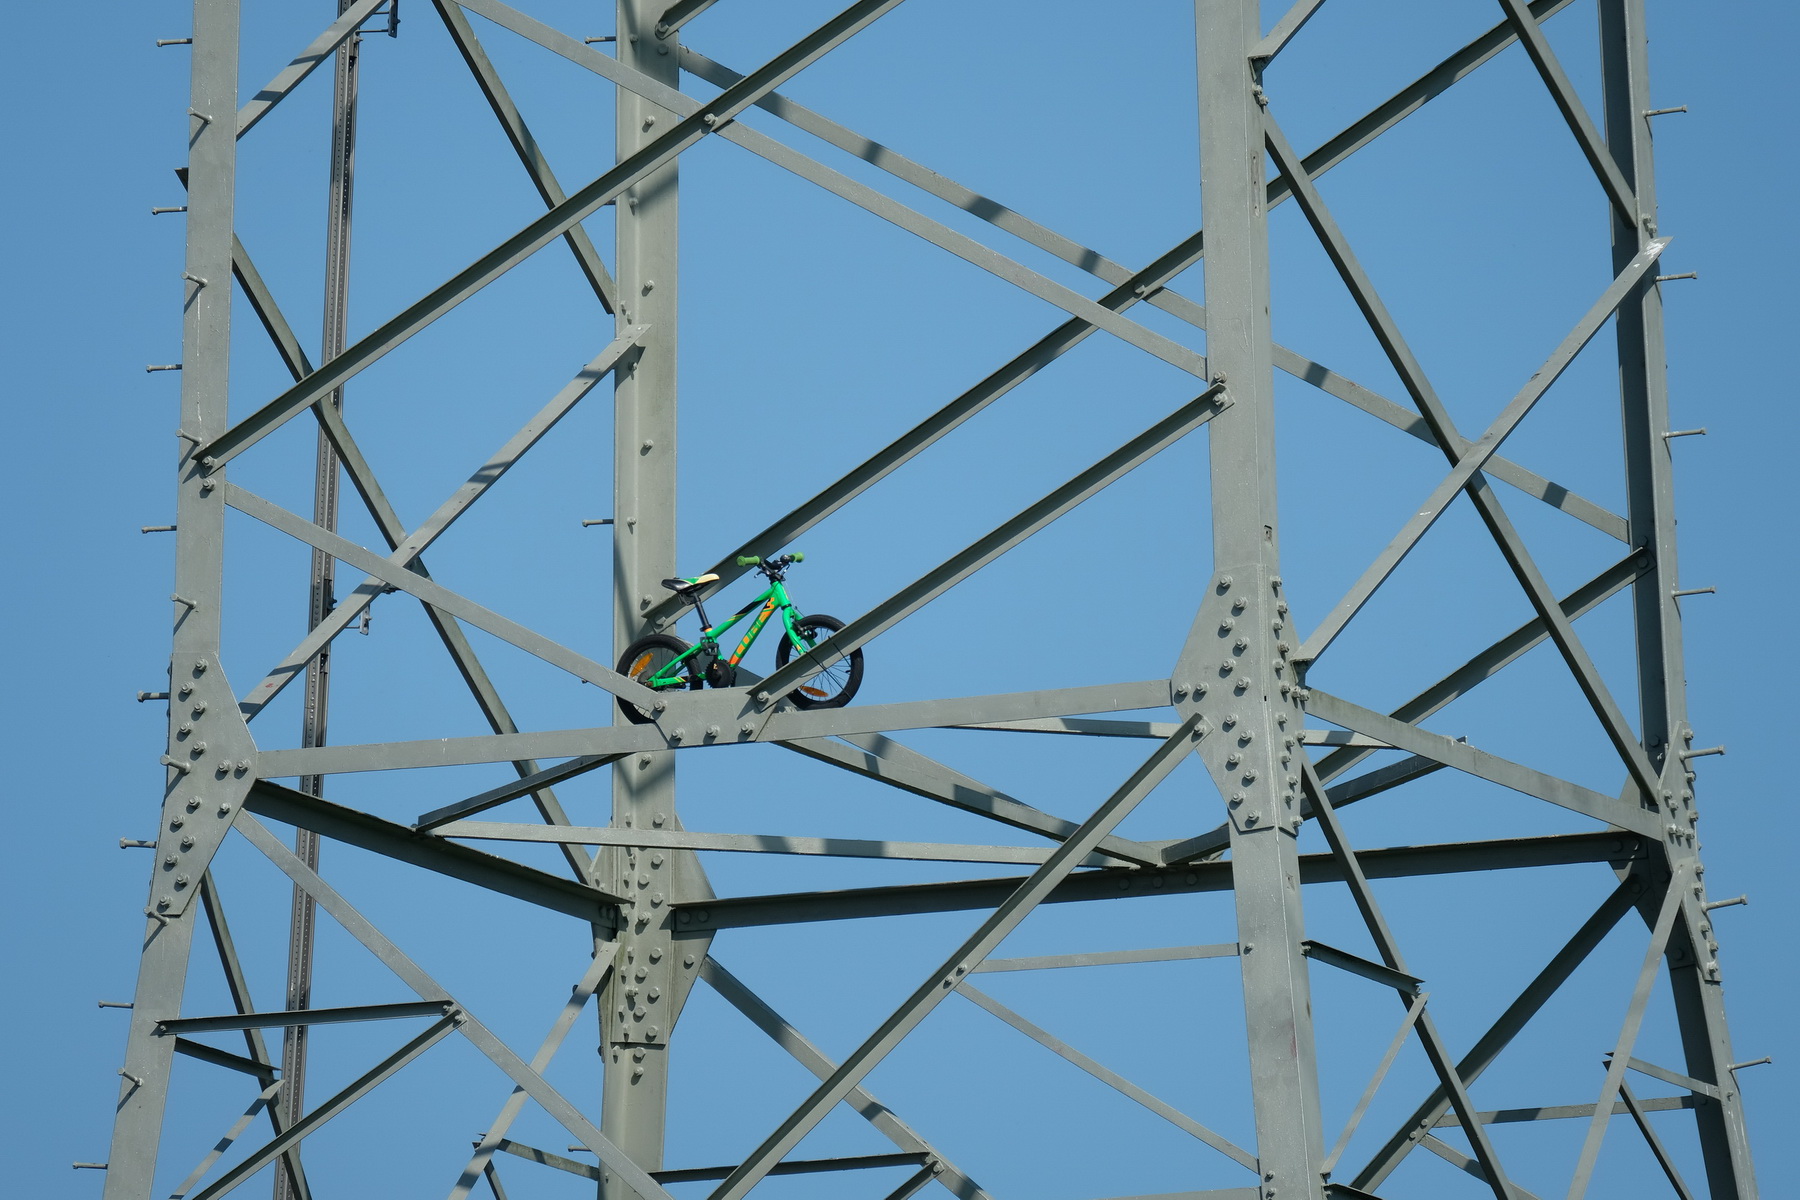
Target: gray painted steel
[{"x": 1277, "y": 753}]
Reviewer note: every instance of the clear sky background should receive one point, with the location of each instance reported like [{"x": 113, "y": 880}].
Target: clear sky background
[{"x": 812, "y": 334}]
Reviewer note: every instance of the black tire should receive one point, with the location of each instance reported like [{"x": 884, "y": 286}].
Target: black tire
[
  {"x": 835, "y": 685},
  {"x": 646, "y": 656}
]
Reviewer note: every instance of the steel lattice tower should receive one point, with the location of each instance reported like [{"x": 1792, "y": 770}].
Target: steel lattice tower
[{"x": 1241, "y": 693}]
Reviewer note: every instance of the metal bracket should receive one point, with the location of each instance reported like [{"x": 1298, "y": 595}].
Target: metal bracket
[
  {"x": 1235, "y": 670},
  {"x": 212, "y": 757}
]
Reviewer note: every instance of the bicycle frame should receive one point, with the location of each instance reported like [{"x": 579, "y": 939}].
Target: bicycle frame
[{"x": 774, "y": 599}]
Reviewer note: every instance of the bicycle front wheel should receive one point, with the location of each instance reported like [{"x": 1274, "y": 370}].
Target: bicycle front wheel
[
  {"x": 641, "y": 661},
  {"x": 834, "y": 685}
]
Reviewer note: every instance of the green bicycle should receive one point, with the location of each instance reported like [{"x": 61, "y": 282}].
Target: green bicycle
[{"x": 663, "y": 662}]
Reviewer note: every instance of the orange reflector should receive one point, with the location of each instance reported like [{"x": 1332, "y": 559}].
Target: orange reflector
[
  {"x": 637, "y": 668},
  {"x": 815, "y": 692}
]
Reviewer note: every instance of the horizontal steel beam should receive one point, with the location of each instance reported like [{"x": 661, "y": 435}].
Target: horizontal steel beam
[
  {"x": 798, "y": 1166},
  {"x": 786, "y": 725},
  {"x": 309, "y": 1016},
  {"x": 1563, "y": 1112},
  {"x": 735, "y": 912},
  {"x": 751, "y": 843},
  {"x": 433, "y": 853},
  {"x": 1109, "y": 958}
]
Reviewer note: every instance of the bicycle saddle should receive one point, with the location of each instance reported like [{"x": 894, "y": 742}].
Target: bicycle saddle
[{"x": 681, "y": 586}]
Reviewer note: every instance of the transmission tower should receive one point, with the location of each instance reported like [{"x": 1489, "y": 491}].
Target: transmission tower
[{"x": 1244, "y": 699}]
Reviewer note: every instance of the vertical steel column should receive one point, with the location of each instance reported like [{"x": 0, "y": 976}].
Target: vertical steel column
[
  {"x": 1693, "y": 968},
  {"x": 640, "y": 996},
  {"x": 1233, "y": 666},
  {"x": 199, "y": 558},
  {"x": 321, "y": 597}
]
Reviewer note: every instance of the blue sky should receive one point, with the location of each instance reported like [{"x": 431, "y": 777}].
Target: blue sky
[{"x": 812, "y": 334}]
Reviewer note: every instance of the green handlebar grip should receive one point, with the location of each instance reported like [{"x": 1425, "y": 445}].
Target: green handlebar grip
[
  {"x": 748, "y": 560},
  {"x": 798, "y": 557}
]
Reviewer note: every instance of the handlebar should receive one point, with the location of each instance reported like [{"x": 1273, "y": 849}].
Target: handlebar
[{"x": 752, "y": 560}]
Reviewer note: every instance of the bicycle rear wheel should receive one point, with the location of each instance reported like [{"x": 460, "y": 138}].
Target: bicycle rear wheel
[
  {"x": 641, "y": 661},
  {"x": 834, "y": 685}
]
